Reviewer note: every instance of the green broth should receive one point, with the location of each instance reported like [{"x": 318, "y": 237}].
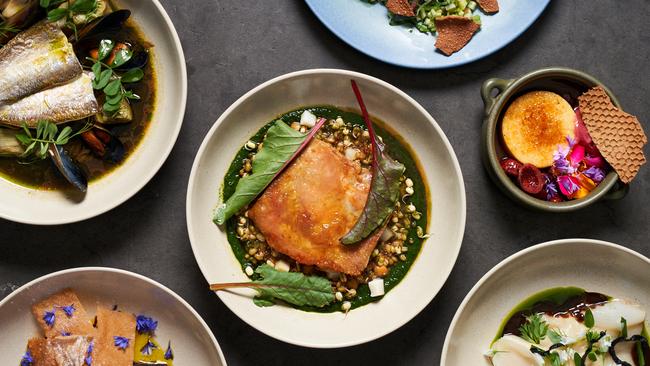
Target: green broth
[{"x": 397, "y": 148}]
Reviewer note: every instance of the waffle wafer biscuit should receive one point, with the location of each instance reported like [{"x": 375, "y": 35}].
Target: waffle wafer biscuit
[
  {"x": 618, "y": 135},
  {"x": 489, "y": 6},
  {"x": 454, "y": 32}
]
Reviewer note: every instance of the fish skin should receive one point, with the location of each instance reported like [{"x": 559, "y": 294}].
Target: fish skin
[
  {"x": 37, "y": 59},
  {"x": 70, "y": 102}
]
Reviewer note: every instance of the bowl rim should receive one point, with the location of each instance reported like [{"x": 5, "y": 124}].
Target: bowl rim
[
  {"x": 491, "y": 123},
  {"x": 145, "y": 178},
  {"x": 134, "y": 275},
  {"x": 351, "y": 74},
  {"x": 515, "y": 256}
]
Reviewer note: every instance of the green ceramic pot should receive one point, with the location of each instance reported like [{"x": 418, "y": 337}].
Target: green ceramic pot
[{"x": 497, "y": 95}]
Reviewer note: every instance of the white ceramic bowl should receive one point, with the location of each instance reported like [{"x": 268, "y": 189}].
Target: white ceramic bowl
[
  {"x": 444, "y": 180},
  {"x": 192, "y": 341},
  {"x": 593, "y": 265},
  {"x": 40, "y": 207}
]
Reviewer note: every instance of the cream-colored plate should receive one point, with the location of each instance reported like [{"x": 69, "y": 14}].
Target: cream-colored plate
[
  {"x": 40, "y": 207},
  {"x": 593, "y": 265},
  {"x": 191, "y": 339},
  {"x": 444, "y": 181}
]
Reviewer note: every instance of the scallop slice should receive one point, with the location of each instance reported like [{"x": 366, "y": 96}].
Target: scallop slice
[
  {"x": 608, "y": 316},
  {"x": 511, "y": 350},
  {"x": 570, "y": 329}
]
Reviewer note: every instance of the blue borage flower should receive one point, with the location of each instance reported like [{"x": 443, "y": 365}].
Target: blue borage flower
[
  {"x": 145, "y": 324},
  {"x": 27, "y": 359},
  {"x": 169, "y": 355},
  {"x": 49, "y": 317},
  {"x": 89, "y": 354},
  {"x": 65, "y": 334},
  {"x": 68, "y": 310},
  {"x": 594, "y": 173},
  {"x": 121, "y": 342},
  {"x": 148, "y": 348},
  {"x": 551, "y": 188}
]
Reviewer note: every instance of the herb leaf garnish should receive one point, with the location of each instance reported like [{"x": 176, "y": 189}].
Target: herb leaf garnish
[
  {"x": 47, "y": 133},
  {"x": 534, "y": 330},
  {"x": 67, "y": 13},
  {"x": 589, "y": 318},
  {"x": 281, "y": 145},
  {"x": 291, "y": 287},
  {"x": 384, "y": 188}
]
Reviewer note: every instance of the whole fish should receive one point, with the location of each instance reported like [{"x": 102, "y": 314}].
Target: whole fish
[
  {"x": 70, "y": 102},
  {"x": 36, "y": 59}
]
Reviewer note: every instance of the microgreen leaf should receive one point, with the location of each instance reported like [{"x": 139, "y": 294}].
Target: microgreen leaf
[
  {"x": 555, "y": 336},
  {"x": 83, "y": 6},
  {"x": 122, "y": 56},
  {"x": 577, "y": 359},
  {"x": 291, "y": 287},
  {"x": 113, "y": 87},
  {"x": 57, "y": 14},
  {"x": 534, "y": 329},
  {"x": 384, "y": 187},
  {"x": 105, "y": 48},
  {"x": 623, "y": 328},
  {"x": 46, "y": 133},
  {"x": 97, "y": 71},
  {"x": 44, "y": 3},
  {"x": 102, "y": 81},
  {"x": 132, "y": 76},
  {"x": 589, "y": 318},
  {"x": 281, "y": 145}
]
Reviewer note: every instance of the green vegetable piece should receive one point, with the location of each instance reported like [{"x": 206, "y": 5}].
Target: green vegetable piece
[
  {"x": 102, "y": 81},
  {"x": 292, "y": 287},
  {"x": 132, "y": 76},
  {"x": 83, "y": 6},
  {"x": 555, "y": 336},
  {"x": 592, "y": 356},
  {"x": 44, "y": 3},
  {"x": 534, "y": 330},
  {"x": 384, "y": 188},
  {"x": 263, "y": 303},
  {"x": 555, "y": 359},
  {"x": 640, "y": 356},
  {"x": 57, "y": 14},
  {"x": 589, "y": 318},
  {"x": 105, "y": 48},
  {"x": 281, "y": 145},
  {"x": 623, "y": 327},
  {"x": 113, "y": 87},
  {"x": 577, "y": 359}
]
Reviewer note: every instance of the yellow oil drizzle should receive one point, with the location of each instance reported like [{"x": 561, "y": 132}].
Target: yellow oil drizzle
[{"x": 157, "y": 353}]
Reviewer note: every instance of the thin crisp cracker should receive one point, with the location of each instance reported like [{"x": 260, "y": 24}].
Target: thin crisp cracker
[
  {"x": 454, "y": 32},
  {"x": 619, "y": 136},
  {"x": 489, "y": 6},
  {"x": 400, "y": 7},
  {"x": 77, "y": 323}
]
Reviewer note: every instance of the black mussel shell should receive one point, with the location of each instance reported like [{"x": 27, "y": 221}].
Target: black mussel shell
[
  {"x": 110, "y": 23},
  {"x": 68, "y": 168}
]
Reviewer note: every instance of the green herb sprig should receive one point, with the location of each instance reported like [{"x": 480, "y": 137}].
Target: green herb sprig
[
  {"x": 534, "y": 330},
  {"x": 78, "y": 7},
  {"x": 5, "y": 29},
  {"x": 47, "y": 133},
  {"x": 108, "y": 80}
]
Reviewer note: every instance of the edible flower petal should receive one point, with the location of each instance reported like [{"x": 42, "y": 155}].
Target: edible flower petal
[
  {"x": 27, "y": 359},
  {"x": 89, "y": 354},
  {"x": 49, "y": 318},
  {"x": 594, "y": 173},
  {"x": 68, "y": 310},
  {"x": 568, "y": 185},
  {"x": 148, "y": 348},
  {"x": 169, "y": 355},
  {"x": 145, "y": 324},
  {"x": 65, "y": 334},
  {"x": 577, "y": 154},
  {"x": 550, "y": 188},
  {"x": 121, "y": 342}
]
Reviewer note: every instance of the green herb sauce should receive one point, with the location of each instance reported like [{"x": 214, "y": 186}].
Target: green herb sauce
[{"x": 398, "y": 150}]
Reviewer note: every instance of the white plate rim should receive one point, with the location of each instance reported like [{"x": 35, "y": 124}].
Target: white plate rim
[
  {"x": 351, "y": 74},
  {"x": 160, "y": 286},
  {"x": 516, "y": 256},
  {"x": 157, "y": 165}
]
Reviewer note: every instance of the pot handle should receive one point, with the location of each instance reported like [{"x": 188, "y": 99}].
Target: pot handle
[
  {"x": 486, "y": 91},
  {"x": 618, "y": 192}
]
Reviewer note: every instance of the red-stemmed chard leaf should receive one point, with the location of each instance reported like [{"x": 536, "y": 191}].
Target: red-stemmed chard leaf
[
  {"x": 384, "y": 187},
  {"x": 282, "y": 144}
]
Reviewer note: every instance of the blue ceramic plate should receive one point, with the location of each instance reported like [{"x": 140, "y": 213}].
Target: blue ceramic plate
[{"x": 365, "y": 27}]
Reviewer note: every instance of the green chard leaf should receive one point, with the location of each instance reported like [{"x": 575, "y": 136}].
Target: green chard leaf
[
  {"x": 291, "y": 287},
  {"x": 384, "y": 188},
  {"x": 534, "y": 330},
  {"x": 281, "y": 145}
]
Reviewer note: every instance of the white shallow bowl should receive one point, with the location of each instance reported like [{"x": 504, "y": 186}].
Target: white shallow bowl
[
  {"x": 593, "y": 265},
  {"x": 403, "y": 114},
  {"x": 40, "y": 207},
  {"x": 192, "y": 341}
]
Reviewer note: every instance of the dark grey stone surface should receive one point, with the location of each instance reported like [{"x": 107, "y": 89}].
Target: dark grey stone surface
[{"x": 232, "y": 46}]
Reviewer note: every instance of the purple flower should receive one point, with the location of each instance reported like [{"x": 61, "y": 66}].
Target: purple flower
[
  {"x": 571, "y": 141},
  {"x": 551, "y": 188},
  {"x": 567, "y": 184},
  {"x": 148, "y": 348},
  {"x": 49, "y": 318},
  {"x": 169, "y": 355},
  {"x": 560, "y": 161},
  {"x": 145, "y": 324},
  {"x": 65, "y": 334},
  {"x": 121, "y": 342},
  {"x": 595, "y": 174},
  {"x": 89, "y": 354},
  {"x": 27, "y": 359},
  {"x": 68, "y": 310}
]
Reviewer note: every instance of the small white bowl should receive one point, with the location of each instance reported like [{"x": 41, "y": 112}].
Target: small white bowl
[
  {"x": 192, "y": 341},
  {"x": 444, "y": 182},
  {"x": 593, "y": 265},
  {"x": 30, "y": 206}
]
